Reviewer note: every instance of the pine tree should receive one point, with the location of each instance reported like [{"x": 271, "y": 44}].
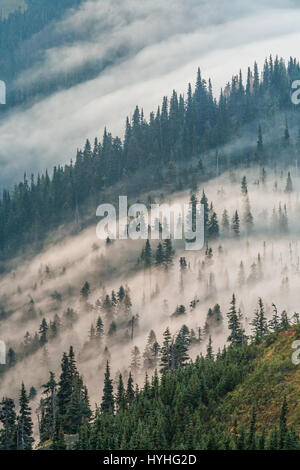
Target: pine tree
[
  {"x": 146, "y": 256},
  {"x": 121, "y": 395},
  {"x": 107, "y": 404},
  {"x": 49, "y": 409},
  {"x": 168, "y": 252},
  {"x": 58, "y": 442},
  {"x": 165, "y": 360},
  {"x": 85, "y": 290},
  {"x": 159, "y": 255},
  {"x": 247, "y": 217},
  {"x": 213, "y": 226},
  {"x": 78, "y": 408},
  {"x": 65, "y": 385},
  {"x": 25, "y": 425},
  {"x": 214, "y": 319},
  {"x": 284, "y": 322},
  {"x": 236, "y": 336},
  {"x": 274, "y": 322},
  {"x": 43, "y": 332},
  {"x": 225, "y": 222},
  {"x": 150, "y": 353},
  {"x": 260, "y": 146},
  {"x": 130, "y": 390},
  {"x": 8, "y": 433},
  {"x": 204, "y": 202},
  {"x": 99, "y": 329},
  {"x": 135, "y": 364},
  {"x": 241, "y": 275},
  {"x": 259, "y": 323},
  {"x": 289, "y": 184},
  {"x": 179, "y": 350},
  {"x": 244, "y": 187},
  {"x": 235, "y": 225},
  {"x": 209, "y": 350}
]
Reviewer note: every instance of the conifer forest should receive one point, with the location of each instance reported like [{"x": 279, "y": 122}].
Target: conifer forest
[{"x": 136, "y": 343}]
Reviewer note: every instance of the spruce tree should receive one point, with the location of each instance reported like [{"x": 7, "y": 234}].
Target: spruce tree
[
  {"x": 107, "y": 404},
  {"x": 225, "y": 222},
  {"x": 259, "y": 323},
  {"x": 121, "y": 395},
  {"x": 130, "y": 390},
  {"x": 235, "y": 225},
  {"x": 165, "y": 359},
  {"x": 289, "y": 184},
  {"x": 49, "y": 409},
  {"x": 25, "y": 425},
  {"x": 8, "y": 433},
  {"x": 236, "y": 336}
]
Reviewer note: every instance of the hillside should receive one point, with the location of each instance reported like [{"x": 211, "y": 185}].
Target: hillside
[
  {"x": 273, "y": 378},
  {"x": 124, "y": 308},
  {"x": 233, "y": 401}
]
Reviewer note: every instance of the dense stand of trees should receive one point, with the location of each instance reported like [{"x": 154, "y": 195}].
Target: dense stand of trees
[
  {"x": 175, "y": 410},
  {"x": 20, "y": 44},
  {"x": 182, "y": 128}
]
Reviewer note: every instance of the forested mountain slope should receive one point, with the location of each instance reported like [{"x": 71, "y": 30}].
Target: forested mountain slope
[
  {"x": 188, "y": 139},
  {"x": 245, "y": 398},
  {"x": 16, "y": 31},
  {"x": 126, "y": 308}
]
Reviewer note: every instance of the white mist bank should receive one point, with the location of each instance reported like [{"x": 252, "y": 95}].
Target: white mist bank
[{"x": 156, "y": 294}]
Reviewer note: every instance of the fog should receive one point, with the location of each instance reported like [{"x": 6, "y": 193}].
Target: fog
[
  {"x": 147, "y": 52},
  {"x": 65, "y": 266}
]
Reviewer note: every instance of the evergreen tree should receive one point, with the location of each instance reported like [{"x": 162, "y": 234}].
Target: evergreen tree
[
  {"x": 107, "y": 404},
  {"x": 235, "y": 225},
  {"x": 274, "y": 322},
  {"x": 150, "y": 353},
  {"x": 135, "y": 364},
  {"x": 241, "y": 275},
  {"x": 159, "y": 255},
  {"x": 43, "y": 332},
  {"x": 146, "y": 256},
  {"x": 259, "y": 323},
  {"x": 99, "y": 333},
  {"x": 130, "y": 390},
  {"x": 225, "y": 222},
  {"x": 121, "y": 395},
  {"x": 289, "y": 184},
  {"x": 58, "y": 442},
  {"x": 25, "y": 425},
  {"x": 165, "y": 360},
  {"x": 236, "y": 336},
  {"x": 168, "y": 252},
  {"x": 209, "y": 350},
  {"x": 8, "y": 433},
  {"x": 85, "y": 290},
  {"x": 49, "y": 409}
]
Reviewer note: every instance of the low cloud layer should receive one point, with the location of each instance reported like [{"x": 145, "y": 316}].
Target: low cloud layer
[{"x": 152, "y": 47}]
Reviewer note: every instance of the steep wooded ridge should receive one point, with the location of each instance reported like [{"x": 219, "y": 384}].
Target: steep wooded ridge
[
  {"x": 245, "y": 397},
  {"x": 18, "y": 34},
  {"x": 242, "y": 396},
  {"x": 173, "y": 149}
]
